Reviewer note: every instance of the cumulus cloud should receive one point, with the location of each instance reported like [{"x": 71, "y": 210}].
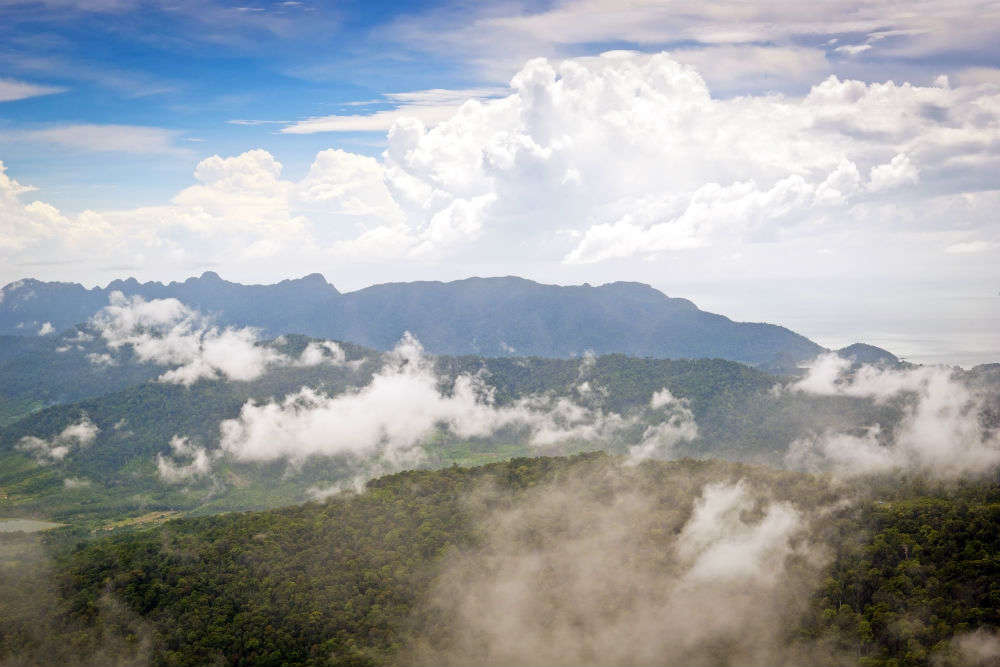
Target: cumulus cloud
[
  {"x": 941, "y": 430},
  {"x": 390, "y": 419},
  {"x": 585, "y": 159},
  {"x": 712, "y": 209},
  {"x": 168, "y": 333},
  {"x": 46, "y": 329},
  {"x": 75, "y": 436},
  {"x": 899, "y": 171},
  {"x": 637, "y": 155},
  {"x": 29, "y": 224}
]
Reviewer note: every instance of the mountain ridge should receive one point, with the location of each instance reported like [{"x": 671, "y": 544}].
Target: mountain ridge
[{"x": 491, "y": 316}]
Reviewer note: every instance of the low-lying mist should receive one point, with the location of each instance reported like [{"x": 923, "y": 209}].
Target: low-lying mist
[
  {"x": 385, "y": 424},
  {"x": 945, "y": 426},
  {"x": 166, "y": 332},
  {"x": 621, "y": 566}
]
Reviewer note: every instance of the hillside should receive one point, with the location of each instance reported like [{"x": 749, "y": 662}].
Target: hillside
[
  {"x": 718, "y": 408},
  {"x": 535, "y": 561},
  {"x": 483, "y": 316}
]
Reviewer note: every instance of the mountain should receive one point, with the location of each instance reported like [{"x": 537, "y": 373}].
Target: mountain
[
  {"x": 862, "y": 353},
  {"x": 485, "y": 316}
]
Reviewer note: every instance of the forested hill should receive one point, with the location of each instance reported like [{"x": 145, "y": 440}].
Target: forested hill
[
  {"x": 737, "y": 412},
  {"x": 537, "y": 561},
  {"x": 484, "y": 316}
]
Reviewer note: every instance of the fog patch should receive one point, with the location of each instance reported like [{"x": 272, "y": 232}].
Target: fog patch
[
  {"x": 186, "y": 461},
  {"x": 942, "y": 429},
  {"x": 590, "y": 571},
  {"x": 355, "y": 484},
  {"x": 75, "y": 436},
  {"x": 677, "y": 425},
  {"x": 40, "y": 625},
  {"x": 316, "y": 353},
  {"x": 101, "y": 359},
  {"x": 972, "y": 649}
]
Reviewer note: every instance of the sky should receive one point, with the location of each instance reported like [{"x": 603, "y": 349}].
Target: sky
[{"x": 833, "y": 167}]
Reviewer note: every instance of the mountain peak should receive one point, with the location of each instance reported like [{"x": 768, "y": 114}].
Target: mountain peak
[
  {"x": 314, "y": 279},
  {"x": 210, "y": 275},
  {"x": 862, "y": 353}
]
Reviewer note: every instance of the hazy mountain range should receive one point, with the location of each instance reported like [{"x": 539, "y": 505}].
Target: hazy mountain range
[{"x": 483, "y": 316}]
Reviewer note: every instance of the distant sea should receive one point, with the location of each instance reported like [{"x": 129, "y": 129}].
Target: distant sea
[{"x": 921, "y": 324}]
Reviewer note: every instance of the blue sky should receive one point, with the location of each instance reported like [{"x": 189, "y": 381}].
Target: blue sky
[
  {"x": 188, "y": 72},
  {"x": 830, "y": 167}
]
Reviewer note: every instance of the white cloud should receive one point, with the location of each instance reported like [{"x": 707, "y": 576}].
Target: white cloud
[
  {"x": 12, "y": 89},
  {"x": 899, "y": 171},
  {"x": 237, "y": 194},
  {"x": 47, "y": 329},
  {"x": 979, "y": 75},
  {"x": 940, "y": 431},
  {"x": 348, "y": 183},
  {"x": 101, "y": 359},
  {"x": 428, "y": 106},
  {"x": 970, "y": 247},
  {"x": 109, "y": 138},
  {"x": 853, "y": 49},
  {"x": 390, "y": 419},
  {"x": 757, "y": 67},
  {"x": 676, "y": 424},
  {"x": 168, "y": 333},
  {"x": 199, "y": 461},
  {"x": 586, "y": 160},
  {"x": 497, "y": 38},
  {"x": 316, "y": 353},
  {"x": 719, "y": 546},
  {"x": 741, "y": 208},
  {"x": 75, "y": 436}
]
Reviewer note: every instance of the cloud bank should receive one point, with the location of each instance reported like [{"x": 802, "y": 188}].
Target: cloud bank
[
  {"x": 942, "y": 429},
  {"x": 391, "y": 418},
  {"x": 168, "y": 333},
  {"x": 583, "y": 160}
]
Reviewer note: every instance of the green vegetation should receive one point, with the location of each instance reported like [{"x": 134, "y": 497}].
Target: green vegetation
[
  {"x": 344, "y": 582},
  {"x": 913, "y": 568},
  {"x": 738, "y": 415}
]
